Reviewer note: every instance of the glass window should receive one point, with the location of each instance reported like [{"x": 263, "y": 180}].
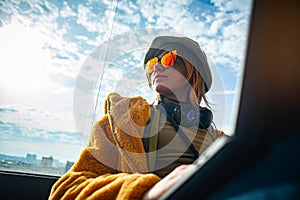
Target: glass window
[{"x": 59, "y": 59}]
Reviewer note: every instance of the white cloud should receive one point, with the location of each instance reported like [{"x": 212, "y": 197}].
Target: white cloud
[
  {"x": 132, "y": 13},
  {"x": 233, "y": 5},
  {"x": 35, "y": 118},
  {"x": 216, "y": 25},
  {"x": 163, "y": 14},
  {"x": 87, "y": 18},
  {"x": 67, "y": 11}
]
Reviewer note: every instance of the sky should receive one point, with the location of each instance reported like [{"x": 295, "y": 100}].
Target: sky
[{"x": 59, "y": 59}]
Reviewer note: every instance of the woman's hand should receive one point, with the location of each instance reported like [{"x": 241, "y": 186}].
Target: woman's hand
[{"x": 167, "y": 182}]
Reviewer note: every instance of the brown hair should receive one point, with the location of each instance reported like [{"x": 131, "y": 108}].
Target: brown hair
[{"x": 197, "y": 83}]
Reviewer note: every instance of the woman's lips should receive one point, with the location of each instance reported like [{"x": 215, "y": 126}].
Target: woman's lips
[{"x": 156, "y": 77}]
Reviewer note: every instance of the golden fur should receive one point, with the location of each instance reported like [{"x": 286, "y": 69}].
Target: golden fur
[{"x": 113, "y": 163}]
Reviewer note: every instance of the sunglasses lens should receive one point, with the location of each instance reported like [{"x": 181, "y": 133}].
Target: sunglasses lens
[
  {"x": 168, "y": 59},
  {"x": 150, "y": 65}
]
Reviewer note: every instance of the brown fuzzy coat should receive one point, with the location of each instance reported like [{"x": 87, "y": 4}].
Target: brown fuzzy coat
[{"x": 113, "y": 165}]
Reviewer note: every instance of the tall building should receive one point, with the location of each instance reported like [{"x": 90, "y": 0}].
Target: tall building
[
  {"x": 30, "y": 158},
  {"x": 68, "y": 166},
  {"x": 46, "y": 161}
]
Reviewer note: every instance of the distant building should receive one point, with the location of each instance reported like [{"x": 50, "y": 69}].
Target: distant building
[
  {"x": 68, "y": 166},
  {"x": 31, "y": 158},
  {"x": 46, "y": 161}
]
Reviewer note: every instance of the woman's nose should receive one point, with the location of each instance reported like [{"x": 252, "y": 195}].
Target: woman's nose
[{"x": 158, "y": 67}]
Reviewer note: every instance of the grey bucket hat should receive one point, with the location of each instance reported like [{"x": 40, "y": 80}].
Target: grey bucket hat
[{"x": 187, "y": 49}]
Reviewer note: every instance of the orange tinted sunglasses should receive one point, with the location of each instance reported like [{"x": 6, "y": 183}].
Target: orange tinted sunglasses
[{"x": 167, "y": 60}]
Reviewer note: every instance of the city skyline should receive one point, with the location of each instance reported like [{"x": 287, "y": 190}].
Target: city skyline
[{"x": 32, "y": 164}]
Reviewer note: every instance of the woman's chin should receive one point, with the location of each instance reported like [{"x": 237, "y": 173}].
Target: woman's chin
[{"x": 161, "y": 89}]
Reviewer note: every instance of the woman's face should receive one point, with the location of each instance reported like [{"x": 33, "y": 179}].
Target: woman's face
[{"x": 171, "y": 82}]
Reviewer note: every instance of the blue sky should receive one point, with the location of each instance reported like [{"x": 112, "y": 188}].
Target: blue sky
[{"x": 51, "y": 49}]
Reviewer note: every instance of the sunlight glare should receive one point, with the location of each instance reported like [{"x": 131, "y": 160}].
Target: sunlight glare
[{"x": 24, "y": 59}]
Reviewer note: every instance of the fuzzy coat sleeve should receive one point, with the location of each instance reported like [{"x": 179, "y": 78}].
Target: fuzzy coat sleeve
[{"x": 113, "y": 166}]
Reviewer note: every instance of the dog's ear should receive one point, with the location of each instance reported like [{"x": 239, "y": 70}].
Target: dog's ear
[{"x": 113, "y": 98}]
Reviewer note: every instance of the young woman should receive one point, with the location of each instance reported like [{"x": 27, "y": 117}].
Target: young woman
[
  {"x": 136, "y": 144},
  {"x": 177, "y": 70}
]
